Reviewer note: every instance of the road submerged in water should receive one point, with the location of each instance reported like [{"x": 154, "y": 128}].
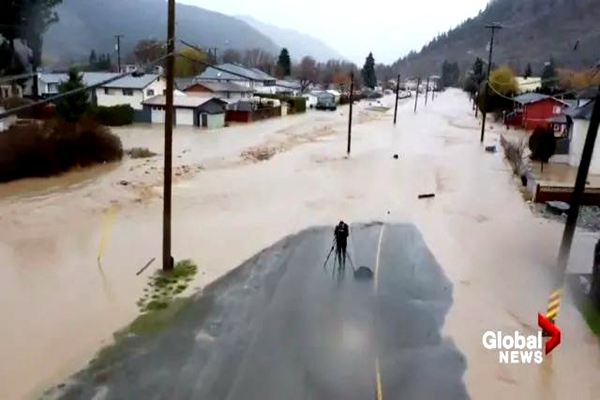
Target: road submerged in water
[{"x": 283, "y": 326}]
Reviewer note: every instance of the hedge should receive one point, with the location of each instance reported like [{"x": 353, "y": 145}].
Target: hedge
[
  {"x": 114, "y": 116},
  {"x": 297, "y": 104}
]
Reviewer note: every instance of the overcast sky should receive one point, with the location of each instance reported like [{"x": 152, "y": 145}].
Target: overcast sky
[{"x": 388, "y": 28}]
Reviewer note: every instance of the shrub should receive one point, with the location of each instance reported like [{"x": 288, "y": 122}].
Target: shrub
[
  {"x": 114, "y": 116},
  {"x": 40, "y": 149},
  {"x": 74, "y": 106},
  {"x": 140, "y": 152},
  {"x": 297, "y": 104},
  {"x": 542, "y": 144}
]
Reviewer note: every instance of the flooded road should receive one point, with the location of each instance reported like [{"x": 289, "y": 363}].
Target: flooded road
[{"x": 62, "y": 306}]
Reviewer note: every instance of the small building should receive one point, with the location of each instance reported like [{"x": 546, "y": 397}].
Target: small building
[
  {"x": 236, "y": 73},
  {"x": 311, "y": 99},
  {"x": 222, "y": 90},
  {"x": 529, "y": 84},
  {"x": 335, "y": 94},
  {"x": 534, "y": 110},
  {"x": 7, "y": 90},
  {"x": 578, "y": 130},
  {"x": 190, "y": 110}
]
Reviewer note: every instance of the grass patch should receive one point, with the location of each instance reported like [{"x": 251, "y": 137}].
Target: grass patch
[
  {"x": 163, "y": 286},
  {"x": 140, "y": 152},
  {"x": 591, "y": 316}
]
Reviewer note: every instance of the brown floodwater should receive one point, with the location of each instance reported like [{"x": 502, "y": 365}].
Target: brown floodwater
[{"x": 61, "y": 305}]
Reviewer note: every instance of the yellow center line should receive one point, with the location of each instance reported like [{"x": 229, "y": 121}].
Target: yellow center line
[{"x": 379, "y": 388}]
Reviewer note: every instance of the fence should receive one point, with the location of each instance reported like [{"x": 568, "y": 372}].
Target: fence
[{"x": 250, "y": 116}]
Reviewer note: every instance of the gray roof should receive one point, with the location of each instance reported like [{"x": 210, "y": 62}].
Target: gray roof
[
  {"x": 94, "y": 78},
  {"x": 241, "y": 73},
  {"x": 583, "y": 112},
  {"x": 571, "y": 103},
  {"x": 223, "y": 86},
  {"x": 183, "y": 83},
  {"x": 181, "y": 101},
  {"x": 288, "y": 84},
  {"x": 530, "y": 98}
]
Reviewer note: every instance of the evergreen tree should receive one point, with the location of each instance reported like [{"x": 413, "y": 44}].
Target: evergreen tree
[
  {"x": 93, "y": 59},
  {"x": 284, "y": 63},
  {"x": 71, "y": 108},
  {"x": 368, "y": 72},
  {"x": 549, "y": 77},
  {"x": 450, "y": 74},
  {"x": 528, "y": 71}
]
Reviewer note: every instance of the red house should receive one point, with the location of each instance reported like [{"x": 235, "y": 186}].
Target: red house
[{"x": 534, "y": 110}]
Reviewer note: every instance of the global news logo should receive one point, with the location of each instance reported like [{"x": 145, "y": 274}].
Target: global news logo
[{"x": 523, "y": 349}]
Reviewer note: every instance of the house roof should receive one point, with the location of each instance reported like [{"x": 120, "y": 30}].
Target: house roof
[
  {"x": 247, "y": 74},
  {"x": 587, "y": 93},
  {"x": 184, "y": 83},
  {"x": 223, "y": 86},
  {"x": 181, "y": 101},
  {"x": 94, "y": 78},
  {"x": 583, "y": 112},
  {"x": 263, "y": 75},
  {"x": 288, "y": 84},
  {"x": 530, "y": 98}
]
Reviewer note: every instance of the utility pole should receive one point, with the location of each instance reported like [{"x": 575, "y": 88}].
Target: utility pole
[
  {"x": 350, "y": 116},
  {"x": 397, "y": 94},
  {"x": 167, "y": 258},
  {"x": 417, "y": 93},
  {"x": 493, "y": 27},
  {"x": 427, "y": 91},
  {"x": 476, "y": 101},
  {"x": 118, "y": 37},
  {"x": 582, "y": 173}
]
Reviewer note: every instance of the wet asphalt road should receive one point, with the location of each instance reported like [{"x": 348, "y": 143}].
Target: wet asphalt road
[{"x": 282, "y": 327}]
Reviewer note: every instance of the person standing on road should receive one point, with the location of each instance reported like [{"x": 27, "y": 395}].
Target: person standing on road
[{"x": 341, "y": 234}]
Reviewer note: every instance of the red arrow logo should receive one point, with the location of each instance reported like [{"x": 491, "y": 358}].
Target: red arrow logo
[{"x": 551, "y": 329}]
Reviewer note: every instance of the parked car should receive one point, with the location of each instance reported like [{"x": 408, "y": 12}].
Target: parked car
[{"x": 326, "y": 103}]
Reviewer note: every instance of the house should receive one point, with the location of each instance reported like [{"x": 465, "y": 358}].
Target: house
[
  {"x": 579, "y": 125},
  {"x": 132, "y": 90},
  {"x": 190, "y": 110},
  {"x": 335, "y": 94},
  {"x": 529, "y": 84},
  {"x": 7, "y": 90},
  {"x": 222, "y": 90},
  {"x": 311, "y": 99},
  {"x": 534, "y": 110},
  {"x": 236, "y": 73}
]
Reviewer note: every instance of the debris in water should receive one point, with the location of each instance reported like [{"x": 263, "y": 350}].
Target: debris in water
[
  {"x": 396, "y": 156},
  {"x": 363, "y": 273},
  {"x": 124, "y": 183},
  {"x": 426, "y": 196},
  {"x": 490, "y": 149},
  {"x": 557, "y": 207}
]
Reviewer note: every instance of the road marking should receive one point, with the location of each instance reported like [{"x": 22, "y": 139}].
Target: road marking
[
  {"x": 379, "y": 387},
  {"x": 376, "y": 281},
  {"x": 378, "y": 377},
  {"x": 554, "y": 305}
]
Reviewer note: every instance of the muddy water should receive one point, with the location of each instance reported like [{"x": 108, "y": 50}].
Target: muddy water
[{"x": 62, "y": 305}]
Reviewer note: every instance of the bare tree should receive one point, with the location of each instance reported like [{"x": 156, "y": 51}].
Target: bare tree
[
  {"x": 232, "y": 56},
  {"x": 306, "y": 72}
]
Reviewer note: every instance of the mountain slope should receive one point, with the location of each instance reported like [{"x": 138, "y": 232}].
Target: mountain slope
[
  {"x": 298, "y": 44},
  {"x": 91, "y": 24},
  {"x": 534, "y": 31}
]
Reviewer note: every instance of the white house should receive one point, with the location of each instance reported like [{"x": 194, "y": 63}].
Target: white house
[
  {"x": 335, "y": 94},
  {"x": 221, "y": 90},
  {"x": 581, "y": 121},
  {"x": 311, "y": 99},
  {"x": 190, "y": 110},
  {"x": 132, "y": 90}
]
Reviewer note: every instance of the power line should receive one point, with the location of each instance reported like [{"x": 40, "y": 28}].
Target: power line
[{"x": 75, "y": 91}]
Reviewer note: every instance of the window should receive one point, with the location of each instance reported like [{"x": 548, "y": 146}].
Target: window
[
  {"x": 127, "y": 92},
  {"x": 150, "y": 92},
  {"x": 557, "y": 110},
  {"x": 106, "y": 92}
]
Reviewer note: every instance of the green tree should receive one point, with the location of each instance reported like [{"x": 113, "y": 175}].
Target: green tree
[
  {"x": 368, "y": 72},
  {"x": 528, "y": 71},
  {"x": 474, "y": 77},
  {"x": 93, "y": 60},
  {"x": 71, "y": 108},
  {"x": 190, "y": 63},
  {"x": 450, "y": 74},
  {"x": 284, "y": 63}
]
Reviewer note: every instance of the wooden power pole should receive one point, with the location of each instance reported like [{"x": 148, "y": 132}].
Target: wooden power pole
[
  {"x": 427, "y": 91},
  {"x": 493, "y": 27},
  {"x": 350, "y": 116},
  {"x": 167, "y": 258},
  {"x": 417, "y": 93},
  {"x": 397, "y": 95}
]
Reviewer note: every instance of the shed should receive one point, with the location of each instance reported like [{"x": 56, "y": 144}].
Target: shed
[{"x": 206, "y": 112}]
